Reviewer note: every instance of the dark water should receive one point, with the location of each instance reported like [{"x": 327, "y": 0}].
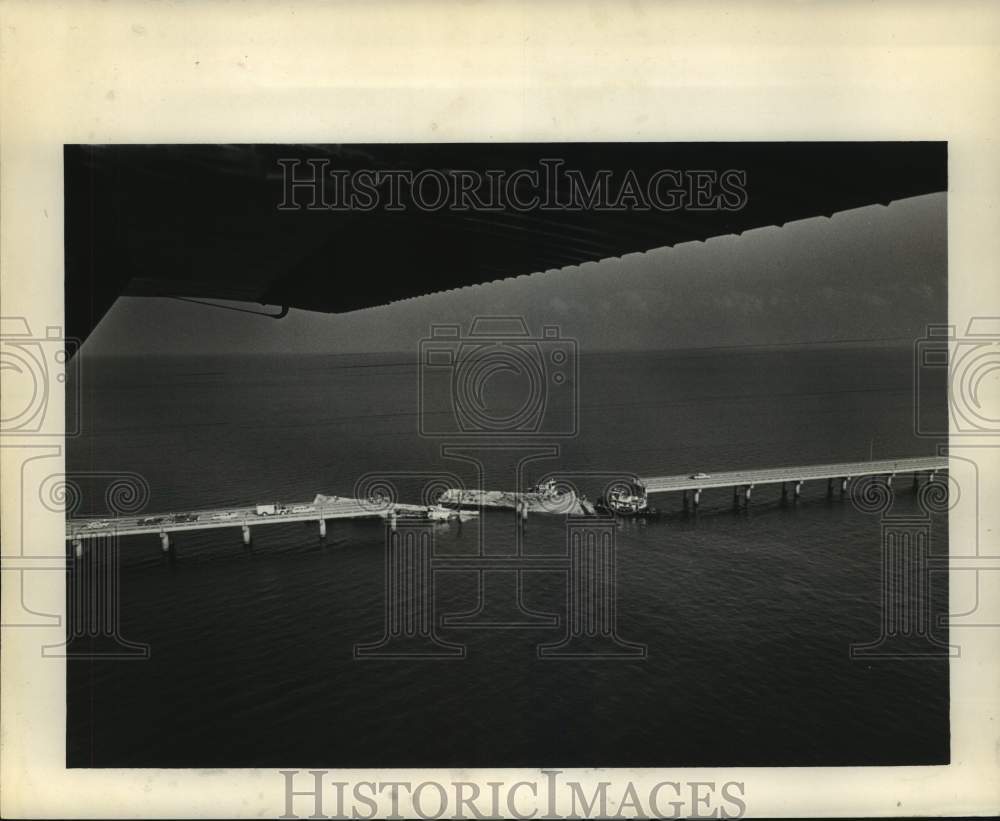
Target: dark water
[{"x": 747, "y": 617}]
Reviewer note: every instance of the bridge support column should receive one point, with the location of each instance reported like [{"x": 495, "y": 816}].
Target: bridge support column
[
  {"x": 798, "y": 490},
  {"x": 746, "y": 496},
  {"x": 164, "y": 541},
  {"x": 246, "y": 534},
  {"x": 78, "y": 547},
  {"x": 843, "y": 486},
  {"x": 888, "y": 480},
  {"x": 697, "y": 498},
  {"x": 322, "y": 528}
]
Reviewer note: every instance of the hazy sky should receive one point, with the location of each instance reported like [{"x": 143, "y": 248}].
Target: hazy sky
[{"x": 873, "y": 272}]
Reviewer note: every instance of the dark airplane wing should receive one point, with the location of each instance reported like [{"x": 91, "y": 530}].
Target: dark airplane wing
[{"x": 203, "y": 221}]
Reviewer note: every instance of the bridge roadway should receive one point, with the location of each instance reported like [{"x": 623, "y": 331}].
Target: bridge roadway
[
  {"x": 348, "y": 508},
  {"x": 780, "y": 475},
  {"x": 238, "y": 517}
]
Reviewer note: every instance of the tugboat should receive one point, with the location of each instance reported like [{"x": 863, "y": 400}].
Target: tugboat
[
  {"x": 547, "y": 490},
  {"x": 627, "y": 499}
]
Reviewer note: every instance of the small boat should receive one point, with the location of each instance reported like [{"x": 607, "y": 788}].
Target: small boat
[{"x": 439, "y": 513}]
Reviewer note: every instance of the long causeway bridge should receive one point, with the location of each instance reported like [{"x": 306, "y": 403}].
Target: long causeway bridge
[{"x": 324, "y": 508}]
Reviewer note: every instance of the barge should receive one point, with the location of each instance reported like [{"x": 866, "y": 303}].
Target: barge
[{"x": 546, "y": 497}]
